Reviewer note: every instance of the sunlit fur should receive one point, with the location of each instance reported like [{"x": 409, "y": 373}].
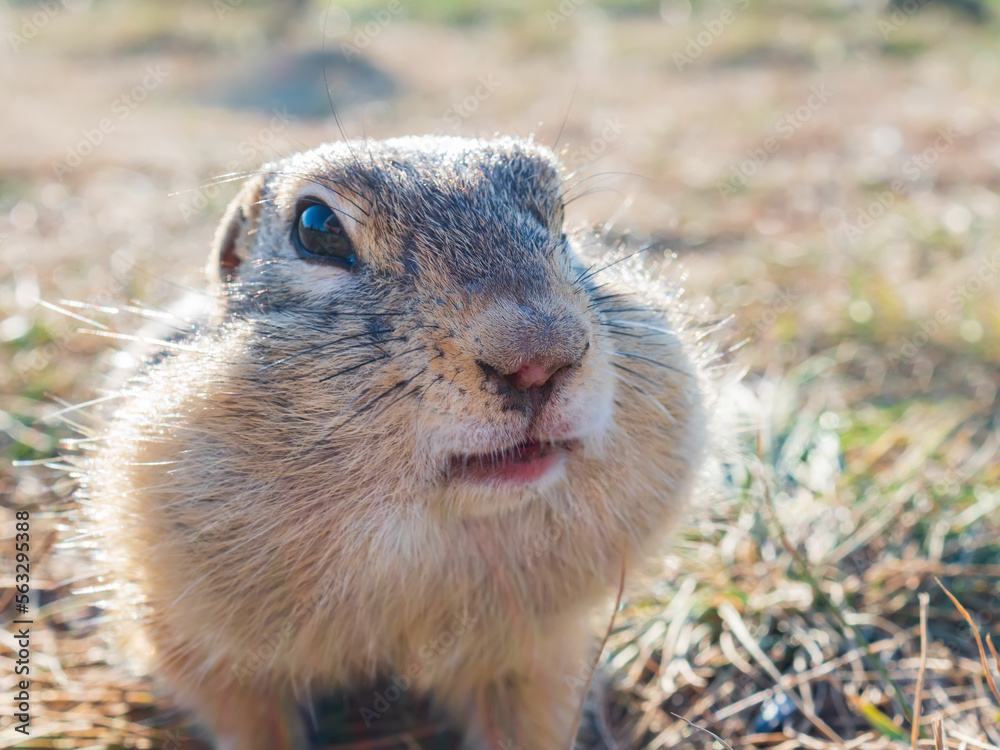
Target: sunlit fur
[{"x": 285, "y": 480}]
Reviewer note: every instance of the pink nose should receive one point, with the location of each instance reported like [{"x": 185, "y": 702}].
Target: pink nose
[{"x": 532, "y": 375}]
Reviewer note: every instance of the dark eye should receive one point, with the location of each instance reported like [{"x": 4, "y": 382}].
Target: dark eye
[{"x": 319, "y": 234}]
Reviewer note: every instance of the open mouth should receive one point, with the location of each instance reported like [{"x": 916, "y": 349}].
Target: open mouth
[{"x": 517, "y": 465}]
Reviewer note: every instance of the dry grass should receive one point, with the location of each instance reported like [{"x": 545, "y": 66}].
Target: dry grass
[{"x": 799, "y": 608}]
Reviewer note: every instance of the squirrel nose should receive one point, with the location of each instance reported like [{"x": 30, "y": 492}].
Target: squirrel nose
[
  {"x": 525, "y": 353},
  {"x": 534, "y": 374}
]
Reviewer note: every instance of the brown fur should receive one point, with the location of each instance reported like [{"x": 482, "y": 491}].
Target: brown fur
[{"x": 283, "y": 479}]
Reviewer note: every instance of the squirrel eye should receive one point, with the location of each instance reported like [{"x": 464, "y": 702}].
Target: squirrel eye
[{"x": 319, "y": 234}]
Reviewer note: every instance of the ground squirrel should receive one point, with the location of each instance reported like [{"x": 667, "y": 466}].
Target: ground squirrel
[{"x": 417, "y": 407}]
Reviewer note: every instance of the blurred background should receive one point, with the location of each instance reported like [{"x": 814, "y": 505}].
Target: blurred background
[{"x": 826, "y": 172}]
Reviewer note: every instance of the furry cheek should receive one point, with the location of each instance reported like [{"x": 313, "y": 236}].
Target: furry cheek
[{"x": 586, "y": 411}]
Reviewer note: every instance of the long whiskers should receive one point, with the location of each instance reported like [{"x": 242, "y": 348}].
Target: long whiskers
[
  {"x": 326, "y": 345},
  {"x": 590, "y": 272},
  {"x": 644, "y": 358}
]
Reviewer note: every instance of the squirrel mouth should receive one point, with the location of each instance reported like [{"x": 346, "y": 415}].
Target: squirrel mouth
[{"x": 517, "y": 465}]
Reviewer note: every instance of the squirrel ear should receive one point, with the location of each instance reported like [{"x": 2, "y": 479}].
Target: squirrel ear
[{"x": 232, "y": 244}]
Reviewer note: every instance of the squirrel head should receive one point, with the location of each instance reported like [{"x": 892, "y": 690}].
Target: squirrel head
[{"x": 422, "y": 293}]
